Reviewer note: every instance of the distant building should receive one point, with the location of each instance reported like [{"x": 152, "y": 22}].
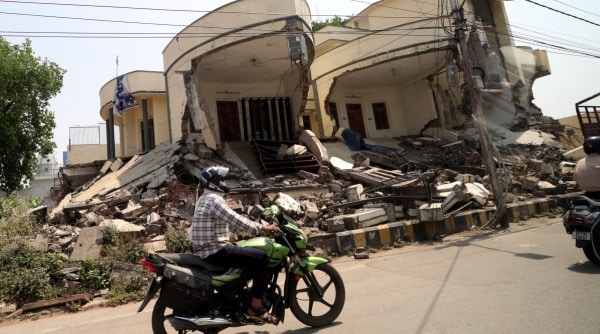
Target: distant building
[{"x": 45, "y": 179}]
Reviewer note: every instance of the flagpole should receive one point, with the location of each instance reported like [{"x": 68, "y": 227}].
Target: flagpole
[{"x": 117, "y": 70}]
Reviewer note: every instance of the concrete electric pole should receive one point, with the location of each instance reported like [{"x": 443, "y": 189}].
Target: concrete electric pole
[{"x": 477, "y": 113}]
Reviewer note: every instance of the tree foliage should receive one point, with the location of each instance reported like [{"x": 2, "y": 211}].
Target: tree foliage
[
  {"x": 335, "y": 21},
  {"x": 27, "y": 83}
]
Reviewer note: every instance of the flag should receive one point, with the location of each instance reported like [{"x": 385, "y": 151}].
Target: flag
[{"x": 123, "y": 99}]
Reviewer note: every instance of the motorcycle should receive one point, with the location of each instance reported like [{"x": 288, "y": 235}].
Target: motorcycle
[
  {"x": 582, "y": 221},
  {"x": 198, "y": 296}
]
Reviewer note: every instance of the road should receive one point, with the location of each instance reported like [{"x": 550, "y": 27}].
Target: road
[{"x": 531, "y": 281}]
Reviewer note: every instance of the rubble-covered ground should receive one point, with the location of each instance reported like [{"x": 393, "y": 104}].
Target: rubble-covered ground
[{"x": 155, "y": 191}]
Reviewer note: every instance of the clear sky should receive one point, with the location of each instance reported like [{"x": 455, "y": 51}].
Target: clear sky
[{"x": 91, "y": 62}]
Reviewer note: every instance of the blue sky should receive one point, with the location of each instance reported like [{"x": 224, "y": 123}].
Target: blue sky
[{"x": 90, "y": 62}]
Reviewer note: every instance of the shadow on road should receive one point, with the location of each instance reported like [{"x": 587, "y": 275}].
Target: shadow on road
[
  {"x": 585, "y": 268},
  {"x": 305, "y": 330}
]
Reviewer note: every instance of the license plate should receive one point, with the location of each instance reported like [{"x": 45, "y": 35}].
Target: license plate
[{"x": 581, "y": 235}]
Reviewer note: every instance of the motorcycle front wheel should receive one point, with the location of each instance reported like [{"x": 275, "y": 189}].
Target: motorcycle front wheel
[{"x": 308, "y": 307}]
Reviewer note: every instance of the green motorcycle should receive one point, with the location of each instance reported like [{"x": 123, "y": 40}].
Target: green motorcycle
[{"x": 198, "y": 296}]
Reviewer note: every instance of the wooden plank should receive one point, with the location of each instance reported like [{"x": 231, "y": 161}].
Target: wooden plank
[{"x": 56, "y": 301}]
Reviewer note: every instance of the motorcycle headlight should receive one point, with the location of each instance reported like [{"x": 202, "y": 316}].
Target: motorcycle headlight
[{"x": 591, "y": 218}]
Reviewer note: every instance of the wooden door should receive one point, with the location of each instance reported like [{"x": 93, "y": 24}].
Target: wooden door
[
  {"x": 355, "y": 118},
  {"x": 229, "y": 121}
]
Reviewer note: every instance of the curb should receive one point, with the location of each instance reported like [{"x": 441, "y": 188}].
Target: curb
[{"x": 383, "y": 235}]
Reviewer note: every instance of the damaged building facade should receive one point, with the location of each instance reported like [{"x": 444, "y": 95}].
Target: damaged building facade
[
  {"x": 395, "y": 70},
  {"x": 385, "y": 74},
  {"x": 248, "y": 81}
]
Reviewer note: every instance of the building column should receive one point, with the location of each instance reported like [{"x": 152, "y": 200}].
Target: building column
[
  {"x": 110, "y": 135},
  {"x": 145, "y": 125}
]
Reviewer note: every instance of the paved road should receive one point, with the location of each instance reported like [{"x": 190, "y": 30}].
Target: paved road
[{"x": 532, "y": 281}]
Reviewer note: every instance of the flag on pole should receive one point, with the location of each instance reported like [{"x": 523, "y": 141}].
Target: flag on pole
[{"x": 123, "y": 99}]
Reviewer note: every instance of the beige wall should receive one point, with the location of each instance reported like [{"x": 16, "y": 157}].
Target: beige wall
[
  {"x": 377, "y": 16},
  {"x": 80, "y": 154},
  {"x": 131, "y": 135},
  {"x": 409, "y": 108}
]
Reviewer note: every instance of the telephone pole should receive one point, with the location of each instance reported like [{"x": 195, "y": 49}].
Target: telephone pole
[{"x": 477, "y": 113}]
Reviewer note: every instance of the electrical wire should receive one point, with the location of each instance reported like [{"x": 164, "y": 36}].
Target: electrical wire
[
  {"x": 563, "y": 13},
  {"x": 184, "y": 35},
  {"x": 581, "y": 10}
]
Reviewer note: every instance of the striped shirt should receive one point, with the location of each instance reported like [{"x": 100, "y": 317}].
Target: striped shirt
[{"x": 212, "y": 220}]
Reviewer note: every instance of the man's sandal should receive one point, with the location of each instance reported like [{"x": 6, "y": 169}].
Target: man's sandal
[{"x": 261, "y": 316}]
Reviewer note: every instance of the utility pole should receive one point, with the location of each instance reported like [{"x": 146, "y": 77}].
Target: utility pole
[{"x": 477, "y": 113}]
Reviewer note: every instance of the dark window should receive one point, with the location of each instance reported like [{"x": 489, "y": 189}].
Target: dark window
[
  {"x": 150, "y": 135},
  {"x": 306, "y": 122},
  {"x": 381, "y": 116},
  {"x": 333, "y": 112}
]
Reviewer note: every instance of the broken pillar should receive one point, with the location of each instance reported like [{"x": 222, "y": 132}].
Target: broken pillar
[
  {"x": 355, "y": 193},
  {"x": 365, "y": 218},
  {"x": 431, "y": 212}
]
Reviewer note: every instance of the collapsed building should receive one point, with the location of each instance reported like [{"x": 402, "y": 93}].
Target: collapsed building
[
  {"x": 363, "y": 124},
  {"x": 420, "y": 181}
]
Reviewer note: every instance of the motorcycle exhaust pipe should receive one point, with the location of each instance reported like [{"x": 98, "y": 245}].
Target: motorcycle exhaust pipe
[{"x": 186, "y": 323}]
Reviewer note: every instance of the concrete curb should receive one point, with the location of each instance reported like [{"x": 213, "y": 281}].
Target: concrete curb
[{"x": 379, "y": 236}]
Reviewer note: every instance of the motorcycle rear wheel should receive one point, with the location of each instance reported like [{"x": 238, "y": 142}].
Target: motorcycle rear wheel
[
  {"x": 161, "y": 326},
  {"x": 589, "y": 253},
  {"x": 308, "y": 307}
]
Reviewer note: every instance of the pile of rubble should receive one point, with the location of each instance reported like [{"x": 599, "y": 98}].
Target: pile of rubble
[{"x": 424, "y": 178}]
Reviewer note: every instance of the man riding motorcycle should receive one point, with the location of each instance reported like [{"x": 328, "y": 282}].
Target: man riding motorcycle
[
  {"x": 587, "y": 170},
  {"x": 210, "y": 236}
]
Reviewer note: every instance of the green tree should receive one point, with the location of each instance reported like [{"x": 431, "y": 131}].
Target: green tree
[
  {"x": 27, "y": 83},
  {"x": 335, "y": 21}
]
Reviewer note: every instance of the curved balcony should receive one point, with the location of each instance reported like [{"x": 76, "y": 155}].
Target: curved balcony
[
  {"x": 148, "y": 89},
  {"x": 240, "y": 53}
]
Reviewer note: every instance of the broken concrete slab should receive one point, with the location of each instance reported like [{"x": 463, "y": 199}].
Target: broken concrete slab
[
  {"x": 295, "y": 150},
  {"x": 122, "y": 226},
  {"x": 335, "y": 224},
  {"x": 363, "y": 218},
  {"x": 478, "y": 192},
  {"x": 156, "y": 245},
  {"x": 88, "y": 244},
  {"x": 115, "y": 165},
  {"x": 133, "y": 210},
  {"x": 315, "y": 146},
  {"x": 288, "y": 204}
]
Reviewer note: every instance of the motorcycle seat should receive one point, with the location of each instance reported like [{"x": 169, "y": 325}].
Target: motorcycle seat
[{"x": 191, "y": 260}]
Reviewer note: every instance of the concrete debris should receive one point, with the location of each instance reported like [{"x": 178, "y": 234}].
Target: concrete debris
[{"x": 428, "y": 177}]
